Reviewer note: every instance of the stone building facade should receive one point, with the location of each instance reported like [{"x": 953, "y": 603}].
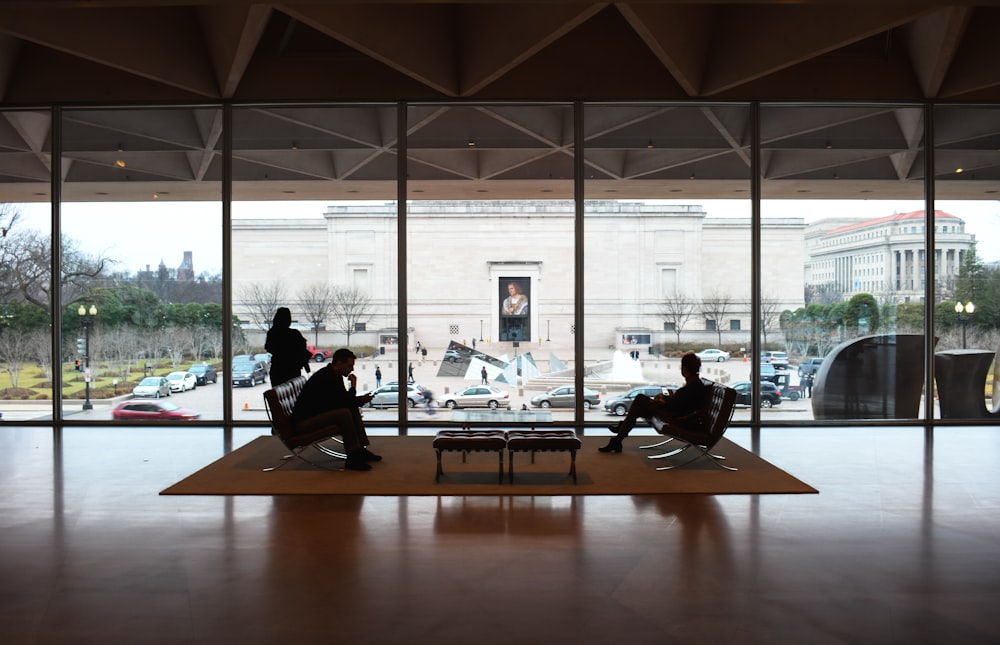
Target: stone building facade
[{"x": 463, "y": 255}]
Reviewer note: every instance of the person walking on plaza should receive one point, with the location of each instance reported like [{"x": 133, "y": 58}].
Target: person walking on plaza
[
  {"x": 409, "y": 373},
  {"x": 325, "y": 401},
  {"x": 483, "y": 373},
  {"x": 378, "y": 376},
  {"x": 287, "y": 347}
]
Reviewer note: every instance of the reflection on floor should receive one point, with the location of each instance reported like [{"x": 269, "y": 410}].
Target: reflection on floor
[{"x": 902, "y": 545}]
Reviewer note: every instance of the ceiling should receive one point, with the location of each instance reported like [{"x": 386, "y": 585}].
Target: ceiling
[{"x": 491, "y": 86}]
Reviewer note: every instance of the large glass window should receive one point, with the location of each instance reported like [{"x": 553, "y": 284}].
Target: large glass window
[
  {"x": 490, "y": 227},
  {"x": 667, "y": 246},
  {"x": 314, "y": 229},
  {"x": 141, "y": 254},
  {"x": 842, "y": 262},
  {"x": 967, "y": 260},
  {"x": 26, "y": 364}
]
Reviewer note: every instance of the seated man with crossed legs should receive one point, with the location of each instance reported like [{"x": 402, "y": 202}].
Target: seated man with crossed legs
[{"x": 685, "y": 407}]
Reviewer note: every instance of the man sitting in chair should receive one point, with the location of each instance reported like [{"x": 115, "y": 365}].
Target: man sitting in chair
[
  {"x": 325, "y": 401},
  {"x": 684, "y": 408}
]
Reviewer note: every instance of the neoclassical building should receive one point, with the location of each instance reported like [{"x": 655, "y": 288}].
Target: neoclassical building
[
  {"x": 466, "y": 258},
  {"x": 885, "y": 256}
]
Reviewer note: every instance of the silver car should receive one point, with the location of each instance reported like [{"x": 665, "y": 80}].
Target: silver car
[
  {"x": 154, "y": 386},
  {"x": 387, "y": 396},
  {"x": 564, "y": 396},
  {"x": 478, "y": 396}
]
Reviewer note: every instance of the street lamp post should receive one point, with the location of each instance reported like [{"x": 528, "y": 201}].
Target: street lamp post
[
  {"x": 480, "y": 330},
  {"x": 548, "y": 329},
  {"x": 87, "y": 321},
  {"x": 964, "y": 311}
]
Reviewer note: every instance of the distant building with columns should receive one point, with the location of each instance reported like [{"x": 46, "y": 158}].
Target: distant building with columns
[{"x": 885, "y": 256}]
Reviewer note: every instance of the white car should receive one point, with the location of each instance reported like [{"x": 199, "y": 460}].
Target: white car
[
  {"x": 154, "y": 386},
  {"x": 712, "y": 355},
  {"x": 478, "y": 396},
  {"x": 182, "y": 381}
]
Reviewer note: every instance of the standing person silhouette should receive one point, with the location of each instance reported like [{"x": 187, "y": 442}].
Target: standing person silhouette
[
  {"x": 485, "y": 376},
  {"x": 287, "y": 346},
  {"x": 378, "y": 376}
]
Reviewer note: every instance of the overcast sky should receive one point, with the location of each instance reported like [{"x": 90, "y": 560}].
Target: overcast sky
[{"x": 142, "y": 234}]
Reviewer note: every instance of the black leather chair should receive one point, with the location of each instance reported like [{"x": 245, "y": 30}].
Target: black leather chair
[
  {"x": 279, "y": 402},
  {"x": 716, "y": 421}
]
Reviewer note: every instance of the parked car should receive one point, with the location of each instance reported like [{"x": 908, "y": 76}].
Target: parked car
[
  {"x": 182, "y": 381},
  {"x": 319, "y": 355},
  {"x": 770, "y": 395},
  {"x": 478, "y": 396},
  {"x": 139, "y": 409},
  {"x": 248, "y": 373},
  {"x": 768, "y": 373},
  {"x": 154, "y": 386},
  {"x": 809, "y": 366},
  {"x": 564, "y": 396},
  {"x": 387, "y": 396},
  {"x": 204, "y": 373},
  {"x": 266, "y": 360},
  {"x": 712, "y": 355},
  {"x": 620, "y": 405},
  {"x": 778, "y": 359},
  {"x": 452, "y": 355}
]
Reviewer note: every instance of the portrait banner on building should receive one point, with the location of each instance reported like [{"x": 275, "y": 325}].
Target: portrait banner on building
[{"x": 515, "y": 301}]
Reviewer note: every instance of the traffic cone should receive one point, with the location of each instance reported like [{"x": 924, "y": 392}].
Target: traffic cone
[
  {"x": 744, "y": 358},
  {"x": 246, "y": 405}
]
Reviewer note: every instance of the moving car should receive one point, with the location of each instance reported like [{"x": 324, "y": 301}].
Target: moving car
[
  {"x": 319, "y": 355},
  {"x": 712, "y": 355},
  {"x": 564, "y": 396},
  {"x": 620, "y": 405},
  {"x": 452, "y": 355},
  {"x": 778, "y": 359},
  {"x": 266, "y": 360},
  {"x": 478, "y": 396},
  {"x": 154, "y": 386},
  {"x": 387, "y": 396},
  {"x": 248, "y": 373},
  {"x": 770, "y": 395},
  {"x": 182, "y": 381},
  {"x": 138, "y": 409},
  {"x": 204, "y": 373},
  {"x": 809, "y": 366}
]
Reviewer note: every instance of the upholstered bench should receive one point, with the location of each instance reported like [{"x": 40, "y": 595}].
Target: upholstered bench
[
  {"x": 542, "y": 440},
  {"x": 467, "y": 441}
]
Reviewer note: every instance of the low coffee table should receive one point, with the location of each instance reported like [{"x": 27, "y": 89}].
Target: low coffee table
[{"x": 467, "y": 441}]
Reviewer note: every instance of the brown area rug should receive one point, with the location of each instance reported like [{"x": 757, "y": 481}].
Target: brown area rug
[{"x": 409, "y": 467}]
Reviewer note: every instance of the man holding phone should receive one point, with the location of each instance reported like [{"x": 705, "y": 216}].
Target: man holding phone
[{"x": 325, "y": 400}]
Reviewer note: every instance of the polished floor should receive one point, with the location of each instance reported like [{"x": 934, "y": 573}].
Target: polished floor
[{"x": 902, "y": 545}]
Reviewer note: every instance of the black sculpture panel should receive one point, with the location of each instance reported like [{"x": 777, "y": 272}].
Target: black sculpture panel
[{"x": 872, "y": 377}]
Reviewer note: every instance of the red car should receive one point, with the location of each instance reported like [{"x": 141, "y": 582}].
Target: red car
[
  {"x": 152, "y": 409},
  {"x": 320, "y": 355}
]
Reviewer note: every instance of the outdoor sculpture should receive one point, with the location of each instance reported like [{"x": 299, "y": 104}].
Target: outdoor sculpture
[{"x": 872, "y": 377}]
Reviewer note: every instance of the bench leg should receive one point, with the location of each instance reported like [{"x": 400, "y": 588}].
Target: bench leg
[
  {"x": 510, "y": 466},
  {"x": 437, "y": 476},
  {"x": 500, "y": 459},
  {"x": 572, "y": 465}
]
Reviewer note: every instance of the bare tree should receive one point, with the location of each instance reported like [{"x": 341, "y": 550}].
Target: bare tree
[
  {"x": 677, "y": 309},
  {"x": 25, "y": 264},
  {"x": 260, "y": 300},
  {"x": 317, "y": 303},
  {"x": 15, "y": 351},
  {"x": 715, "y": 307},
  {"x": 770, "y": 315},
  {"x": 351, "y": 307}
]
